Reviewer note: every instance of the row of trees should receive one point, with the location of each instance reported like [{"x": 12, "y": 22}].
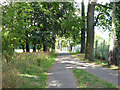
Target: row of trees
[
  {"x": 38, "y": 24},
  {"x": 106, "y": 20}
]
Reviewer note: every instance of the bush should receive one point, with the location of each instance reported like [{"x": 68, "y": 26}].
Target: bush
[
  {"x": 24, "y": 68},
  {"x": 102, "y": 54}
]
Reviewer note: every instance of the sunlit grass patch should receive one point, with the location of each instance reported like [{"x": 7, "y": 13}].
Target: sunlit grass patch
[
  {"x": 27, "y": 70},
  {"x": 103, "y": 63},
  {"x": 87, "y": 80}
]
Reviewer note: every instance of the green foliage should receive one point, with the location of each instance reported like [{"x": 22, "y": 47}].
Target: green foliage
[
  {"x": 104, "y": 16},
  {"x": 35, "y": 23},
  {"x": 102, "y": 54},
  {"x": 24, "y": 70}
]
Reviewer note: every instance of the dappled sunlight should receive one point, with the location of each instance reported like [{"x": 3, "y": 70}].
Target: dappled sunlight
[
  {"x": 74, "y": 64},
  {"x": 97, "y": 62},
  {"x": 55, "y": 83},
  {"x": 68, "y": 62},
  {"x": 69, "y": 67},
  {"x": 27, "y": 70},
  {"x": 49, "y": 73},
  {"x": 27, "y": 75},
  {"x": 80, "y": 67}
]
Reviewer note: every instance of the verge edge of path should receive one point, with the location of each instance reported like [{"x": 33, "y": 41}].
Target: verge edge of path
[
  {"x": 107, "y": 71},
  {"x": 50, "y": 69}
]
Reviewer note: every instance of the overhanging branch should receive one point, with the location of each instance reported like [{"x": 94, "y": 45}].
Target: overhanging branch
[
  {"x": 103, "y": 6},
  {"x": 97, "y": 18}
]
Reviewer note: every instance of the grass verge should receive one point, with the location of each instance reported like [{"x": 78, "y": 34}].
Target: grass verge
[
  {"x": 103, "y": 63},
  {"x": 87, "y": 80},
  {"x": 27, "y": 70}
]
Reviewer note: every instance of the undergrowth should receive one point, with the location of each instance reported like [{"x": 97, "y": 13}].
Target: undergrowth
[{"x": 27, "y": 70}]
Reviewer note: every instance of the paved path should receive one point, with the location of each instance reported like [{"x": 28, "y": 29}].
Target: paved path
[{"x": 61, "y": 75}]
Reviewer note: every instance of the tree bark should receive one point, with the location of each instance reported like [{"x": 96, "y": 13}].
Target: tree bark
[
  {"x": 23, "y": 48},
  {"x": 69, "y": 48},
  {"x": 103, "y": 53},
  {"x": 118, "y": 61},
  {"x": 89, "y": 54},
  {"x": 111, "y": 58},
  {"x": 44, "y": 47},
  {"x": 27, "y": 47},
  {"x": 83, "y": 28},
  {"x": 34, "y": 47},
  {"x": 96, "y": 44},
  {"x": 53, "y": 46},
  {"x": 38, "y": 47},
  {"x": 60, "y": 45},
  {"x": 58, "y": 42},
  {"x": 27, "y": 44}
]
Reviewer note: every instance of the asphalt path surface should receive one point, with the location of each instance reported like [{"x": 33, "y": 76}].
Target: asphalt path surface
[{"x": 61, "y": 76}]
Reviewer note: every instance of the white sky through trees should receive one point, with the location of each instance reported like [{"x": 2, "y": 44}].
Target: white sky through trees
[{"x": 103, "y": 34}]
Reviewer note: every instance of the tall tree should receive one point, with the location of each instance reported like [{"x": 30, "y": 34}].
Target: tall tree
[
  {"x": 83, "y": 28},
  {"x": 89, "y": 54},
  {"x": 113, "y": 38},
  {"x": 117, "y": 24}
]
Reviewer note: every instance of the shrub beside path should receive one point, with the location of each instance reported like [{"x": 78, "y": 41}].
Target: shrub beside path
[{"x": 61, "y": 76}]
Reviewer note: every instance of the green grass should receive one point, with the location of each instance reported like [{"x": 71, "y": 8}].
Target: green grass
[
  {"x": 87, "y": 80},
  {"x": 81, "y": 56},
  {"x": 28, "y": 70}
]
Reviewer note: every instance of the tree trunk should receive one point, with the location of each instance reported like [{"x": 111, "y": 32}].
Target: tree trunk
[
  {"x": 23, "y": 48},
  {"x": 27, "y": 44},
  {"x": 96, "y": 44},
  {"x": 111, "y": 58},
  {"x": 38, "y": 47},
  {"x": 44, "y": 47},
  {"x": 89, "y": 54},
  {"x": 27, "y": 47},
  {"x": 34, "y": 47},
  {"x": 53, "y": 46},
  {"x": 58, "y": 42},
  {"x": 118, "y": 60},
  {"x": 69, "y": 48},
  {"x": 83, "y": 28},
  {"x": 103, "y": 53},
  {"x": 60, "y": 45},
  {"x": 6, "y": 57}
]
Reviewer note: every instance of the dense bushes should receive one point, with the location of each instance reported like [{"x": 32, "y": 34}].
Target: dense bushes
[
  {"x": 27, "y": 70},
  {"x": 102, "y": 53}
]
